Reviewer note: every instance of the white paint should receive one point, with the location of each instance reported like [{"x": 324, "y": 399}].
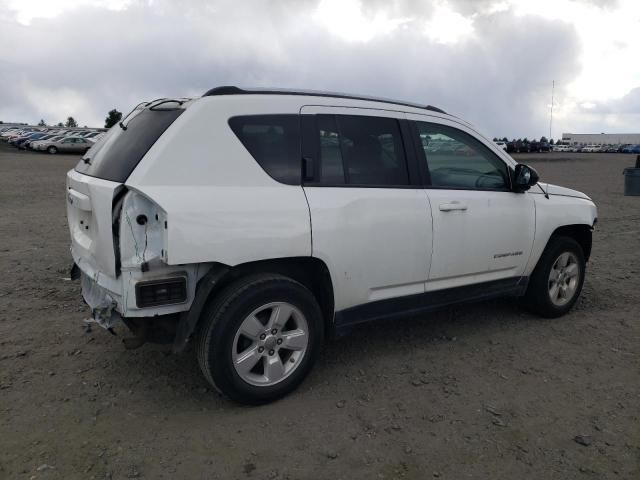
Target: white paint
[{"x": 378, "y": 243}]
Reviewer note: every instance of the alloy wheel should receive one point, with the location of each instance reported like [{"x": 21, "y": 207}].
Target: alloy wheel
[
  {"x": 564, "y": 278},
  {"x": 270, "y": 344}
]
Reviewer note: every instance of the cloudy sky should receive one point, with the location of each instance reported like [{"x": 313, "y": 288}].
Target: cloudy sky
[{"x": 491, "y": 62}]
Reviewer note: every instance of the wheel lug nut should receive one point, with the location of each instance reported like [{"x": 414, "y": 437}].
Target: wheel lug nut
[
  {"x": 274, "y": 331},
  {"x": 263, "y": 336},
  {"x": 279, "y": 342},
  {"x": 260, "y": 349},
  {"x": 271, "y": 352}
]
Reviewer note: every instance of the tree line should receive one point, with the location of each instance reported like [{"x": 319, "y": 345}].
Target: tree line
[
  {"x": 525, "y": 140},
  {"x": 113, "y": 117}
]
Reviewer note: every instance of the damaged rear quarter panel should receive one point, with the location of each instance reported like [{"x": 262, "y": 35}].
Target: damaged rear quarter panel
[
  {"x": 218, "y": 213},
  {"x": 142, "y": 241}
]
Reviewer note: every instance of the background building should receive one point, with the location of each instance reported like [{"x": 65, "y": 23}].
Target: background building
[{"x": 601, "y": 138}]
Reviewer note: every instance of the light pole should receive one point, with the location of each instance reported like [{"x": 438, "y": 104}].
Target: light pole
[{"x": 553, "y": 84}]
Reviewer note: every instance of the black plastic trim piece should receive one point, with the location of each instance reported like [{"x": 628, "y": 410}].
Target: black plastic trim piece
[
  {"x": 189, "y": 319},
  {"x": 407, "y": 306},
  {"x": 75, "y": 273},
  {"x": 413, "y": 162},
  {"x": 233, "y": 90},
  {"x": 181, "y": 282}
]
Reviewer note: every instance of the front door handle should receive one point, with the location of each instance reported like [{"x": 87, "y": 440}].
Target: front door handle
[{"x": 448, "y": 207}]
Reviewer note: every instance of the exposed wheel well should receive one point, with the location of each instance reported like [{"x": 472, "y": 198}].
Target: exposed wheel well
[
  {"x": 309, "y": 271},
  {"x": 580, "y": 233}
]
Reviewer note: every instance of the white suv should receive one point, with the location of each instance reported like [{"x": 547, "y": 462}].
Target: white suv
[{"x": 256, "y": 222}]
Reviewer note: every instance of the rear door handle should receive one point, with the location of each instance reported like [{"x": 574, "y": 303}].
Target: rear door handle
[{"x": 448, "y": 207}]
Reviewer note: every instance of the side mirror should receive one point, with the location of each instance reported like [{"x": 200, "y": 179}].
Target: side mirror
[{"x": 524, "y": 178}]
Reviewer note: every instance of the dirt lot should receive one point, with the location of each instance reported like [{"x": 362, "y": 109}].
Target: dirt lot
[{"x": 484, "y": 391}]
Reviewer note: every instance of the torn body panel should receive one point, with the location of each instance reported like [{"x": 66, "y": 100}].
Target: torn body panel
[
  {"x": 139, "y": 249},
  {"x": 100, "y": 301}
]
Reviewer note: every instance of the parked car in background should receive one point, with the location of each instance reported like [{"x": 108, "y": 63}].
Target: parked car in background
[
  {"x": 18, "y": 140},
  {"x": 501, "y": 144},
  {"x": 631, "y": 149},
  {"x": 29, "y": 143},
  {"x": 562, "y": 148},
  {"x": 518, "y": 146},
  {"x": 7, "y": 130},
  {"x": 21, "y": 143},
  {"x": 9, "y": 133},
  {"x": 40, "y": 145},
  {"x": 24, "y": 136},
  {"x": 67, "y": 145},
  {"x": 590, "y": 148}
]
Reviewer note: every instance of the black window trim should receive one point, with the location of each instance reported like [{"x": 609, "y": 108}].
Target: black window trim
[
  {"x": 311, "y": 151},
  {"x": 424, "y": 161}
]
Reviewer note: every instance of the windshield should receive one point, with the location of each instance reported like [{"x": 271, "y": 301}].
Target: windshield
[{"x": 116, "y": 155}]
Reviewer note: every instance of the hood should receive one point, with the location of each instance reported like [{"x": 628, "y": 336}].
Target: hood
[{"x": 552, "y": 189}]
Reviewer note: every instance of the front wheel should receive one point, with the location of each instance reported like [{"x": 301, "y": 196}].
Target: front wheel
[
  {"x": 52, "y": 150},
  {"x": 557, "y": 280},
  {"x": 260, "y": 338}
]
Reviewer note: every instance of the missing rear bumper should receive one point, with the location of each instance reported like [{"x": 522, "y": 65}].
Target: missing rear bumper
[{"x": 100, "y": 301}]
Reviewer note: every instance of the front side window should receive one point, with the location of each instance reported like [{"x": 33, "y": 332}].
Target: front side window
[
  {"x": 274, "y": 142},
  {"x": 457, "y": 160},
  {"x": 361, "y": 150}
]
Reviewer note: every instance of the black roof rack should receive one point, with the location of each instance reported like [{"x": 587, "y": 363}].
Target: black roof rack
[{"x": 233, "y": 90}]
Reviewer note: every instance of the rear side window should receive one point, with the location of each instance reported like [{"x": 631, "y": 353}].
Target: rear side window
[
  {"x": 360, "y": 150},
  {"x": 274, "y": 142},
  {"x": 120, "y": 151}
]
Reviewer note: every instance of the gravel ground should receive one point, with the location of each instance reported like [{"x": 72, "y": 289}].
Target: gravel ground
[{"x": 485, "y": 391}]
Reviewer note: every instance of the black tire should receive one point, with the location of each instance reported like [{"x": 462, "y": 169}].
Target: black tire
[
  {"x": 222, "y": 318},
  {"x": 537, "y": 297},
  {"x": 52, "y": 150}
]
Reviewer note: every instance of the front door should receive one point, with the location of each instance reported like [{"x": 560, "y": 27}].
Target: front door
[{"x": 483, "y": 231}]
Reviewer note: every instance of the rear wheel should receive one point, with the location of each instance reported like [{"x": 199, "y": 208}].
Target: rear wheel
[
  {"x": 52, "y": 150},
  {"x": 557, "y": 280},
  {"x": 260, "y": 338}
]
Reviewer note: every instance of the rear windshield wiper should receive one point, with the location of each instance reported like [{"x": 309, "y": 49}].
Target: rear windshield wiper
[{"x": 121, "y": 123}]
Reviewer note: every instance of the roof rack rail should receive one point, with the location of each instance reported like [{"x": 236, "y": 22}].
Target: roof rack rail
[{"x": 233, "y": 90}]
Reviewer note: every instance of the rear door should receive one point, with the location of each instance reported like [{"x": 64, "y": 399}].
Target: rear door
[
  {"x": 370, "y": 218},
  {"x": 483, "y": 231}
]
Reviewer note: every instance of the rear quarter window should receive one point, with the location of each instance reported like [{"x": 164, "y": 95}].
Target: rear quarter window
[
  {"x": 274, "y": 142},
  {"x": 119, "y": 152}
]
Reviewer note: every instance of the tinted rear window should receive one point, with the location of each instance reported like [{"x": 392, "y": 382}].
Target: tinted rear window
[
  {"x": 274, "y": 142},
  {"x": 116, "y": 155}
]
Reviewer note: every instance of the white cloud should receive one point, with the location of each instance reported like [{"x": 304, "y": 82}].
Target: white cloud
[
  {"x": 346, "y": 19},
  {"x": 448, "y": 26},
  {"x": 27, "y": 10},
  {"x": 490, "y": 61},
  {"x": 610, "y": 43}
]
